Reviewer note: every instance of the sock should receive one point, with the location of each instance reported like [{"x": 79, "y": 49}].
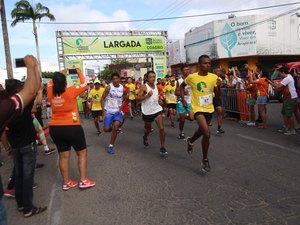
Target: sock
[
  {"x": 110, "y": 145},
  {"x": 46, "y": 148}
]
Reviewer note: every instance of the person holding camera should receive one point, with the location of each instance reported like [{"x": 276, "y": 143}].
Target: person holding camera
[
  {"x": 289, "y": 100},
  {"x": 65, "y": 128},
  {"x": 262, "y": 94}
]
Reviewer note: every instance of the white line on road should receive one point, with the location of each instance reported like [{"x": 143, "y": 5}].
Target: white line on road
[{"x": 270, "y": 143}]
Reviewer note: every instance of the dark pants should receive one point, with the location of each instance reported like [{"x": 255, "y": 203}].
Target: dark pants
[
  {"x": 25, "y": 162},
  {"x": 12, "y": 180}
]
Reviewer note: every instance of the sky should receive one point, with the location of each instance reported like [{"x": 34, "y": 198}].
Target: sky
[{"x": 22, "y": 40}]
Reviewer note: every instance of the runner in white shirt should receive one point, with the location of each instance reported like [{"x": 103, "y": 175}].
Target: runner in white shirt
[
  {"x": 112, "y": 103},
  {"x": 152, "y": 110}
]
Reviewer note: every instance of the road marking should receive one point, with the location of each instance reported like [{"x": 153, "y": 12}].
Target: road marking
[
  {"x": 56, "y": 202},
  {"x": 270, "y": 143}
]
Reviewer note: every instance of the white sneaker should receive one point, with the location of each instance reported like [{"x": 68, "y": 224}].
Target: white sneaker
[{"x": 250, "y": 123}]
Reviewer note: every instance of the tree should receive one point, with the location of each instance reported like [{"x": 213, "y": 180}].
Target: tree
[
  {"x": 6, "y": 41},
  {"x": 47, "y": 74},
  {"x": 106, "y": 73},
  {"x": 24, "y": 11}
]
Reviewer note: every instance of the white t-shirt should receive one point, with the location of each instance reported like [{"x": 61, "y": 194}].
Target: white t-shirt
[{"x": 288, "y": 80}]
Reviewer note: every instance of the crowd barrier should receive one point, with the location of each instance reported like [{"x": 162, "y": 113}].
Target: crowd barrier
[{"x": 236, "y": 103}]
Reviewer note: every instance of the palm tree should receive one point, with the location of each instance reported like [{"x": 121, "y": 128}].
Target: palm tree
[
  {"x": 6, "y": 41},
  {"x": 25, "y": 11}
]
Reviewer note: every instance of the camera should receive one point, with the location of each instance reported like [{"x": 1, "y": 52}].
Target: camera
[
  {"x": 19, "y": 62},
  {"x": 72, "y": 71}
]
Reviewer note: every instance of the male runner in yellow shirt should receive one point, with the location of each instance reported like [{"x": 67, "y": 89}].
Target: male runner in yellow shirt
[
  {"x": 95, "y": 96},
  {"x": 204, "y": 86},
  {"x": 131, "y": 96},
  {"x": 171, "y": 99}
]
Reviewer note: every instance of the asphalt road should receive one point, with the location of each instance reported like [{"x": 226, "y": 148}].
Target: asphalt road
[{"x": 255, "y": 179}]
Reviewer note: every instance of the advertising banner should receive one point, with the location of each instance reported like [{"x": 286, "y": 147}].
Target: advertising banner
[
  {"x": 73, "y": 79},
  {"x": 236, "y": 37},
  {"x": 160, "y": 66},
  {"x": 112, "y": 44}
]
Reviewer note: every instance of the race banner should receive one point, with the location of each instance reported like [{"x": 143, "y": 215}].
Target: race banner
[
  {"x": 160, "y": 66},
  {"x": 112, "y": 44}
]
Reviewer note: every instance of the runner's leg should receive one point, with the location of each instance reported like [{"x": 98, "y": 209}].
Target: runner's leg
[
  {"x": 64, "y": 159},
  {"x": 114, "y": 133},
  {"x": 160, "y": 125},
  {"x": 204, "y": 130},
  {"x": 82, "y": 163}
]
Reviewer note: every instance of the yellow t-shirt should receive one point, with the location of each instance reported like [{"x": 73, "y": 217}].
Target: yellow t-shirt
[
  {"x": 169, "y": 90},
  {"x": 95, "y": 96},
  {"x": 131, "y": 91},
  {"x": 202, "y": 91}
]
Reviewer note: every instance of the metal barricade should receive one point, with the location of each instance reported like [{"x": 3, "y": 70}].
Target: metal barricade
[{"x": 235, "y": 103}]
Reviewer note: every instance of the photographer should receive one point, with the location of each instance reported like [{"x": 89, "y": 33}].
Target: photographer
[{"x": 289, "y": 100}]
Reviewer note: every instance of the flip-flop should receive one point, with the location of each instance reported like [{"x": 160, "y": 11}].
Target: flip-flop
[{"x": 35, "y": 211}]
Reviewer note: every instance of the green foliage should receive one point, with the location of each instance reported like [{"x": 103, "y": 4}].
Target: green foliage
[
  {"x": 25, "y": 11},
  {"x": 106, "y": 73},
  {"x": 47, "y": 74}
]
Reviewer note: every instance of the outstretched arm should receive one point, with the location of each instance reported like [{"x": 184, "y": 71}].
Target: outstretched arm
[{"x": 33, "y": 80}]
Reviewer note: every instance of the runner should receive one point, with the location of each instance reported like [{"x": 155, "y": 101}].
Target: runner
[
  {"x": 170, "y": 97},
  {"x": 152, "y": 110},
  {"x": 203, "y": 85},
  {"x": 218, "y": 104},
  {"x": 112, "y": 102},
  {"x": 131, "y": 97},
  {"x": 184, "y": 113},
  {"x": 95, "y": 99}
]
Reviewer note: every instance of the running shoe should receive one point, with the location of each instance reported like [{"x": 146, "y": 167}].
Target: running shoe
[
  {"x": 181, "y": 136},
  {"x": 98, "y": 133},
  {"x": 110, "y": 150},
  {"x": 10, "y": 192},
  {"x": 283, "y": 130},
  {"x": 163, "y": 152},
  {"x": 189, "y": 145},
  {"x": 86, "y": 183},
  {"x": 35, "y": 185},
  {"x": 145, "y": 141},
  {"x": 50, "y": 151},
  {"x": 220, "y": 131},
  {"x": 205, "y": 166},
  {"x": 250, "y": 123},
  {"x": 290, "y": 132},
  {"x": 69, "y": 185}
]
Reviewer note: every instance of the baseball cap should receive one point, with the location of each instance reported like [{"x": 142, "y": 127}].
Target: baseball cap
[{"x": 97, "y": 81}]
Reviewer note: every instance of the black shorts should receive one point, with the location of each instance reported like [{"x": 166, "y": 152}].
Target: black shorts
[
  {"x": 96, "y": 113},
  {"x": 150, "y": 118},
  {"x": 208, "y": 116},
  {"x": 66, "y": 137},
  {"x": 217, "y": 102},
  {"x": 171, "y": 106}
]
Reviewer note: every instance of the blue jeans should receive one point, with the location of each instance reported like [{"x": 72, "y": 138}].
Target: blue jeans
[
  {"x": 25, "y": 162},
  {"x": 3, "y": 218}
]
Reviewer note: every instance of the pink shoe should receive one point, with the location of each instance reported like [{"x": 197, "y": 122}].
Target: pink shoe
[
  {"x": 10, "y": 193},
  {"x": 70, "y": 184},
  {"x": 86, "y": 183}
]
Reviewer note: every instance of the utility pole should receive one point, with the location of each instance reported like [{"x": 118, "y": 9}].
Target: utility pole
[{"x": 6, "y": 41}]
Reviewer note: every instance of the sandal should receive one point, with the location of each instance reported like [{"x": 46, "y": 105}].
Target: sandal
[
  {"x": 35, "y": 211},
  {"x": 145, "y": 141}
]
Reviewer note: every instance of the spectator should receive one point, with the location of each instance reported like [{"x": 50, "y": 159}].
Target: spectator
[
  {"x": 65, "y": 128},
  {"x": 262, "y": 95},
  {"x": 289, "y": 100}
]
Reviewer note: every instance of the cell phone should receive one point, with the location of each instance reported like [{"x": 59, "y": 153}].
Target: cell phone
[
  {"x": 19, "y": 62},
  {"x": 72, "y": 71}
]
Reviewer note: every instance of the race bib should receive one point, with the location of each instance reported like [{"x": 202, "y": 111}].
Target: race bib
[
  {"x": 206, "y": 100},
  {"x": 112, "y": 103},
  {"x": 172, "y": 97}
]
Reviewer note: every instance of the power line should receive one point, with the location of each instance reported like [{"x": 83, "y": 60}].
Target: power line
[
  {"x": 168, "y": 18},
  {"x": 246, "y": 27}
]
